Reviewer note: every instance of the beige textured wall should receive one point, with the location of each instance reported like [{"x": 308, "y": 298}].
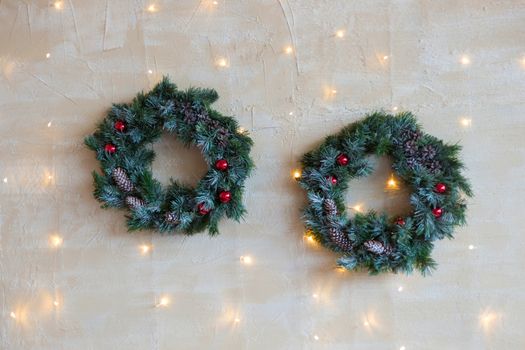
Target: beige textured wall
[{"x": 404, "y": 54}]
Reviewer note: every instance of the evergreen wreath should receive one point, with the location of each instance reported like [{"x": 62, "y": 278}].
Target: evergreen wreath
[
  {"x": 375, "y": 242},
  {"x": 122, "y": 141}
]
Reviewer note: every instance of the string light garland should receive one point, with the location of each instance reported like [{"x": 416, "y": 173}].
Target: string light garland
[
  {"x": 376, "y": 242},
  {"x": 121, "y": 145}
]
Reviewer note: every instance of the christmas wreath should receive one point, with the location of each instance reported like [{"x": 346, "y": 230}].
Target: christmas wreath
[
  {"x": 122, "y": 141},
  {"x": 374, "y": 241}
]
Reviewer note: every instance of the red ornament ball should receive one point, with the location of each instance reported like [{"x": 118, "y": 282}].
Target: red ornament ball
[
  {"x": 110, "y": 148},
  {"x": 120, "y": 125},
  {"x": 400, "y": 221},
  {"x": 342, "y": 159},
  {"x": 440, "y": 188},
  {"x": 221, "y": 164},
  {"x": 202, "y": 209},
  {"x": 225, "y": 196},
  {"x": 332, "y": 179},
  {"x": 437, "y": 212}
]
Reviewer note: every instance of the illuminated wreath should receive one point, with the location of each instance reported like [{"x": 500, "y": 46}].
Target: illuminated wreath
[
  {"x": 122, "y": 142},
  {"x": 376, "y": 242}
]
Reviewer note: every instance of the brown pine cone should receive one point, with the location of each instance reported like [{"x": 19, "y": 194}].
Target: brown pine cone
[
  {"x": 134, "y": 202},
  {"x": 340, "y": 239},
  {"x": 172, "y": 218},
  {"x": 330, "y": 207},
  {"x": 377, "y": 247},
  {"x": 122, "y": 180}
]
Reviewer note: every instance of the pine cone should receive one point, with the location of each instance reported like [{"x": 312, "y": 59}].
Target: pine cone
[
  {"x": 410, "y": 148},
  {"x": 427, "y": 153},
  {"x": 377, "y": 247},
  {"x": 340, "y": 239},
  {"x": 409, "y": 135},
  {"x": 172, "y": 218},
  {"x": 433, "y": 166},
  {"x": 122, "y": 180},
  {"x": 134, "y": 202},
  {"x": 330, "y": 207}
]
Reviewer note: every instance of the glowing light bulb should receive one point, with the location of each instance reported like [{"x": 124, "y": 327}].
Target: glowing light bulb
[
  {"x": 12, "y": 314},
  {"x": 366, "y": 324},
  {"x": 400, "y": 289},
  {"x": 316, "y": 337},
  {"x": 465, "y": 60},
  {"x": 59, "y": 5},
  {"x": 358, "y": 208},
  {"x": 291, "y": 113},
  {"x": 56, "y": 241},
  {"x": 385, "y": 58},
  {"x": 222, "y": 62},
  {"x": 402, "y": 348},
  {"x": 334, "y": 91},
  {"x": 395, "y": 108},
  {"x": 340, "y": 33},
  {"x": 237, "y": 320},
  {"x": 145, "y": 249},
  {"x": 310, "y": 238},
  {"x": 152, "y": 8},
  {"x": 246, "y": 259},
  {"x": 392, "y": 184},
  {"x": 150, "y": 71},
  {"x": 288, "y": 50},
  {"x": 56, "y": 303},
  {"x": 296, "y": 174},
  {"x": 48, "y": 55},
  {"x": 163, "y": 302},
  {"x": 215, "y": 2},
  {"x": 315, "y": 296},
  {"x": 471, "y": 247},
  {"x": 5, "y": 180},
  {"x": 466, "y": 122},
  {"x": 49, "y": 124}
]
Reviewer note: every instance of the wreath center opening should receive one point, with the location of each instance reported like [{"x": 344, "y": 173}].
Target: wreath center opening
[
  {"x": 174, "y": 160},
  {"x": 382, "y": 191}
]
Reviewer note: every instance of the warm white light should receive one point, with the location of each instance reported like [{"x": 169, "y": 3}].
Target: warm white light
[
  {"x": 49, "y": 124},
  {"x": 150, "y": 71},
  {"x": 488, "y": 320},
  {"x": 56, "y": 241},
  {"x": 340, "y": 33},
  {"x": 291, "y": 113},
  {"x": 315, "y": 296},
  {"x": 316, "y": 337},
  {"x": 334, "y": 91},
  {"x": 402, "y": 348},
  {"x": 12, "y": 314},
  {"x": 237, "y": 320},
  {"x": 296, "y": 174},
  {"x": 145, "y": 248},
  {"x": 395, "y": 108},
  {"x": 56, "y": 303},
  {"x": 164, "y": 301},
  {"x": 241, "y": 130},
  {"x": 471, "y": 247},
  {"x": 152, "y": 8},
  {"x": 366, "y": 324},
  {"x": 59, "y": 5},
  {"x": 246, "y": 259},
  {"x": 222, "y": 62},
  {"x": 215, "y": 2},
  {"x": 400, "y": 289},
  {"x": 288, "y": 50},
  {"x": 392, "y": 184},
  {"x": 358, "y": 208},
  {"x": 385, "y": 57},
  {"x": 466, "y": 122},
  {"x": 48, "y": 55},
  {"x": 465, "y": 60},
  {"x": 5, "y": 180}
]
